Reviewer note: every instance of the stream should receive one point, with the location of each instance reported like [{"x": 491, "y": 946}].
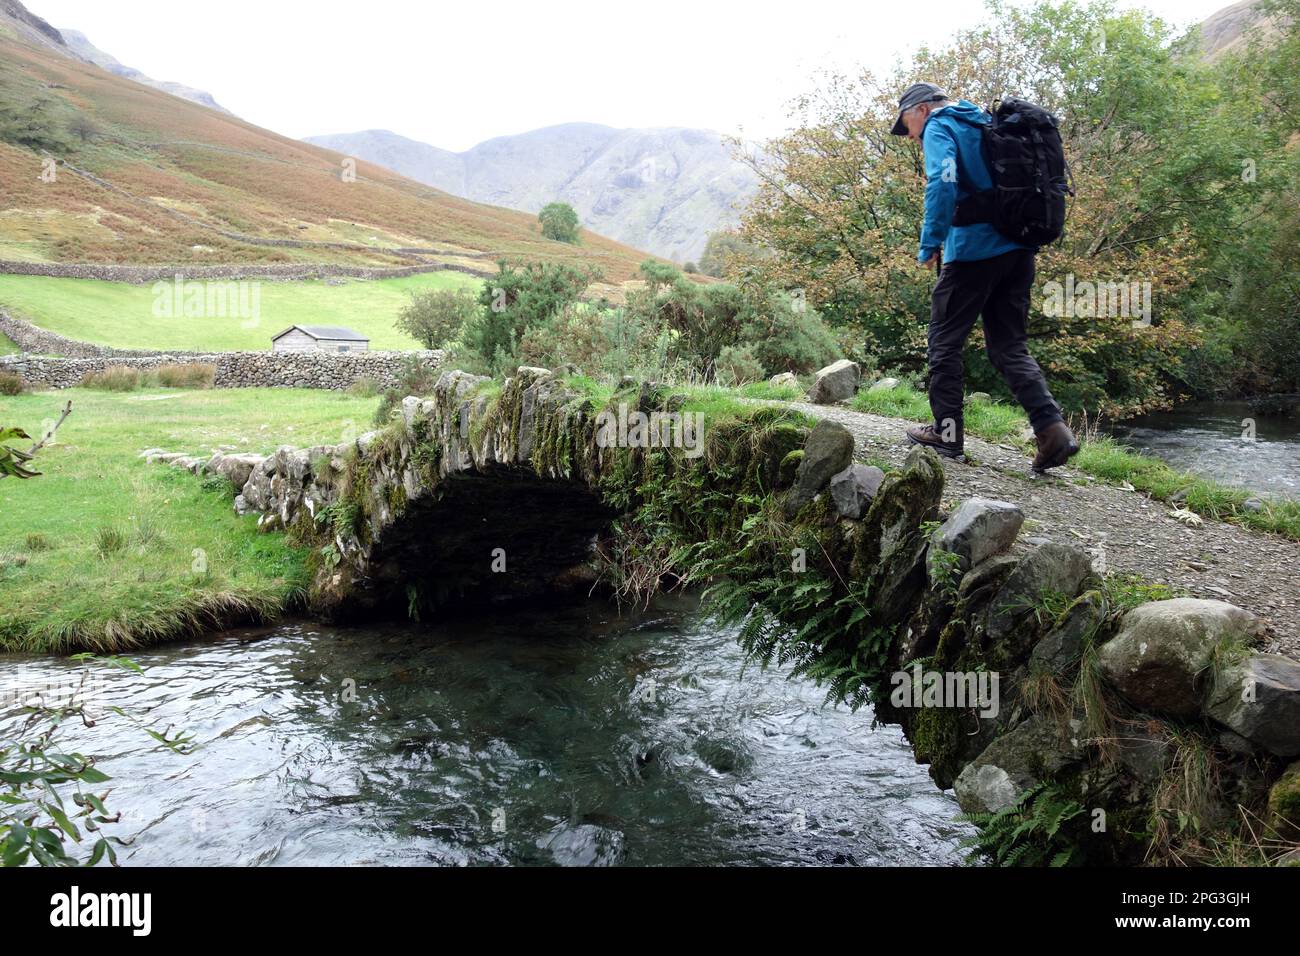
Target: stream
[
  {"x": 1212, "y": 439},
  {"x": 570, "y": 736}
]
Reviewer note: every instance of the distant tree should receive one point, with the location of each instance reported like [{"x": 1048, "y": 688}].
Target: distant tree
[
  {"x": 435, "y": 317},
  {"x": 83, "y": 128},
  {"x": 33, "y": 123},
  {"x": 658, "y": 274},
  {"x": 721, "y": 247},
  {"x": 559, "y": 222},
  {"x": 690, "y": 268}
]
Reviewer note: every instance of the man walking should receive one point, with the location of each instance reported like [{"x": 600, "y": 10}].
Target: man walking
[{"x": 983, "y": 273}]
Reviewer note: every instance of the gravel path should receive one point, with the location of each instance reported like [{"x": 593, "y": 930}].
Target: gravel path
[{"x": 1133, "y": 533}]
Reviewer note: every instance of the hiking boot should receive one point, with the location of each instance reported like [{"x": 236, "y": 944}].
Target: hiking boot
[
  {"x": 1056, "y": 446},
  {"x": 926, "y": 435}
]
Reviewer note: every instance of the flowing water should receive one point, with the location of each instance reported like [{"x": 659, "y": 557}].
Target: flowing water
[
  {"x": 1226, "y": 441},
  {"x": 569, "y": 736}
]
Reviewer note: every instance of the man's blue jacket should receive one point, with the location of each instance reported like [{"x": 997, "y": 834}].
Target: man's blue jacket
[{"x": 954, "y": 169}]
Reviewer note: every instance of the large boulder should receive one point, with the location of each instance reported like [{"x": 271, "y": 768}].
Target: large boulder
[
  {"x": 828, "y": 451},
  {"x": 853, "y": 489},
  {"x": 837, "y": 382},
  {"x": 1259, "y": 698},
  {"x": 1050, "y": 571},
  {"x": 1157, "y": 658},
  {"x": 1019, "y": 760},
  {"x": 978, "y": 529}
]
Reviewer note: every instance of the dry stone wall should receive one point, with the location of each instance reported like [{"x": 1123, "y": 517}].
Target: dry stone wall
[{"x": 75, "y": 360}]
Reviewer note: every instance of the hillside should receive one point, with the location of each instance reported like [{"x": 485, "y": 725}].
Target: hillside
[
  {"x": 147, "y": 177},
  {"x": 663, "y": 190}
]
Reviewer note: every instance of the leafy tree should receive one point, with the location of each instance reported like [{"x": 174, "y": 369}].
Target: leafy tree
[
  {"x": 1156, "y": 164},
  {"x": 559, "y": 222},
  {"x": 83, "y": 128},
  {"x": 722, "y": 248},
  {"x": 435, "y": 317}
]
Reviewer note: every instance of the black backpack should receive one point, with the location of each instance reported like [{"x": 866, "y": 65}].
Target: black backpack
[{"x": 1023, "y": 151}]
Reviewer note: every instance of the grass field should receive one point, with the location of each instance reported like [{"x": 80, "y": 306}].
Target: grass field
[
  {"x": 122, "y": 315},
  {"x": 1103, "y": 458},
  {"x": 100, "y": 551}
]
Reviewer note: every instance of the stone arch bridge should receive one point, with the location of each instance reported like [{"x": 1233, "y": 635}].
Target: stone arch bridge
[{"x": 488, "y": 491}]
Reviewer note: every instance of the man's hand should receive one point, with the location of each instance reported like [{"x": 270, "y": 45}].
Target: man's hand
[{"x": 932, "y": 262}]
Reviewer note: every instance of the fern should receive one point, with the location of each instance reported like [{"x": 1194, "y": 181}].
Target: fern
[{"x": 1030, "y": 832}]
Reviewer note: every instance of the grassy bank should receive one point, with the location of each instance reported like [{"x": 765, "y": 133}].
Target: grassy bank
[
  {"x": 105, "y": 552},
  {"x": 122, "y": 315},
  {"x": 1103, "y": 458}
]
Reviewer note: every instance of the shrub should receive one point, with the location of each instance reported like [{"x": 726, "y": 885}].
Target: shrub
[
  {"x": 519, "y": 298},
  {"x": 737, "y": 365},
  {"x": 186, "y": 375},
  {"x": 11, "y": 383},
  {"x": 117, "y": 378},
  {"x": 434, "y": 317},
  {"x": 574, "y": 337},
  {"x": 416, "y": 378},
  {"x": 787, "y": 336}
]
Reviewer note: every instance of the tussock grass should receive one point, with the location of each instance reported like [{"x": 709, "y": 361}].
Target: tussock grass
[
  {"x": 185, "y": 375},
  {"x": 147, "y": 553},
  {"x": 116, "y": 378}
]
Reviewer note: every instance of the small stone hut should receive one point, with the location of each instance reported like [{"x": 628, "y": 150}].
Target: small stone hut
[{"x": 319, "y": 338}]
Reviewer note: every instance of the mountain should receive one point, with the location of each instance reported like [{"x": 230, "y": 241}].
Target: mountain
[
  {"x": 1225, "y": 30},
  {"x": 79, "y": 44},
  {"x": 663, "y": 190},
  {"x": 17, "y": 22},
  {"x": 100, "y": 168}
]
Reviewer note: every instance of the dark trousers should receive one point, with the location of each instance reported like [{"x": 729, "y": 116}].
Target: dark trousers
[{"x": 997, "y": 288}]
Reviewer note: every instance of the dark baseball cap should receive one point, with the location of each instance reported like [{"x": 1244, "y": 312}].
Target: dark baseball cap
[{"x": 915, "y": 95}]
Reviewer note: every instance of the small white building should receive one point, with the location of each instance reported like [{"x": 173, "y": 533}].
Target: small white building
[{"x": 319, "y": 338}]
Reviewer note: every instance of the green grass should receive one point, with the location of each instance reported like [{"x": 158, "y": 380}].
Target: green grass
[
  {"x": 122, "y": 315},
  {"x": 7, "y": 347},
  {"x": 99, "y": 552},
  {"x": 1103, "y": 458}
]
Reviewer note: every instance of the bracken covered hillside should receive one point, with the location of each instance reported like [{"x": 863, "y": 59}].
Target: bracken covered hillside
[{"x": 146, "y": 177}]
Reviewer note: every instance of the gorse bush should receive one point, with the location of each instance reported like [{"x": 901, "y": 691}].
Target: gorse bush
[
  {"x": 738, "y": 365},
  {"x": 672, "y": 329}
]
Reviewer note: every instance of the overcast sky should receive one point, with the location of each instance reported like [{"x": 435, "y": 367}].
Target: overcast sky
[{"x": 454, "y": 74}]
